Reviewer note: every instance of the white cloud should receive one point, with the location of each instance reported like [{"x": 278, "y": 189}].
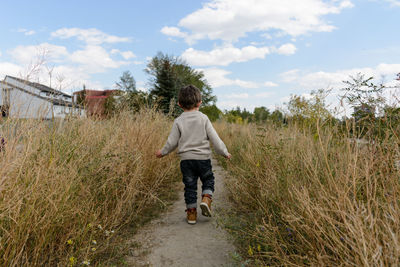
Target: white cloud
[
  {"x": 173, "y": 31},
  {"x": 217, "y": 78},
  {"x": 223, "y": 56},
  {"x": 92, "y": 58},
  {"x": 27, "y": 32},
  {"x": 125, "y": 54},
  {"x": 62, "y": 77},
  {"x": 287, "y": 49},
  {"x": 290, "y": 76},
  {"x": 90, "y": 36},
  {"x": 264, "y": 95},
  {"x": 322, "y": 79},
  {"x": 26, "y": 54},
  {"x": 230, "y": 20},
  {"x": 128, "y": 54},
  {"x": 239, "y": 96},
  {"x": 8, "y": 68},
  {"x": 68, "y": 69},
  {"x": 346, "y": 4},
  {"x": 393, "y": 2},
  {"x": 95, "y": 59},
  {"x": 270, "y": 84}
]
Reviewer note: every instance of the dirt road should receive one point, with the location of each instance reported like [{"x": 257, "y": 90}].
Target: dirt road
[{"x": 170, "y": 241}]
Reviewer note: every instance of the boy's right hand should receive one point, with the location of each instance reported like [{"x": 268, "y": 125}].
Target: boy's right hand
[
  {"x": 159, "y": 154},
  {"x": 229, "y": 156}
]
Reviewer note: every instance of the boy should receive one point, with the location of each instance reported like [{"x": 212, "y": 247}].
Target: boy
[{"x": 191, "y": 133}]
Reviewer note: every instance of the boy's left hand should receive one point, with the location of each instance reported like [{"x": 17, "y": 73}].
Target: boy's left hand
[{"x": 159, "y": 154}]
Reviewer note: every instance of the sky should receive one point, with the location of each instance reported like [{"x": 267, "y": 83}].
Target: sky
[{"x": 253, "y": 53}]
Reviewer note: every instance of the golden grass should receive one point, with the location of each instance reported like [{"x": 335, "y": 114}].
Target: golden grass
[
  {"x": 67, "y": 188},
  {"x": 313, "y": 199}
]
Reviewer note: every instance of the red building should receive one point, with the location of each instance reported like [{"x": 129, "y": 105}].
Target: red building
[{"x": 93, "y": 101}]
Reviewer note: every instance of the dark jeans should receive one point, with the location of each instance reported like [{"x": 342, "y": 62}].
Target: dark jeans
[{"x": 191, "y": 171}]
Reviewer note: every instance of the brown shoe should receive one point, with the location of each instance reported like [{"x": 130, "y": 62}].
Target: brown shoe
[
  {"x": 191, "y": 215},
  {"x": 205, "y": 205}
]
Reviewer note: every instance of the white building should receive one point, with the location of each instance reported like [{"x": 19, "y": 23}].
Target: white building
[{"x": 23, "y": 99}]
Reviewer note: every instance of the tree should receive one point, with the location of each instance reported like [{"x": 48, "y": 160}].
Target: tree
[
  {"x": 362, "y": 94},
  {"x": 310, "y": 112},
  {"x": 365, "y": 97},
  {"x": 261, "y": 114},
  {"x": 126, "y": 82},
  {"x": 168, "y": 74},
  {"x": 277, "y": 116},
  {"x": 212, "y": 112},
  {"x": 163, "y": 80}
]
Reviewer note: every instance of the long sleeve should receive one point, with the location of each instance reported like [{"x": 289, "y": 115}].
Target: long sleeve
[
  {"x": 219, "y": 146},
  {"x": 172, "y": 141}
]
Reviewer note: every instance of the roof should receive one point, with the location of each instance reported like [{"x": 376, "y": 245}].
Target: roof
[
  {"x": 41, "y": 87},
  {"x": 55, "y": 101}
]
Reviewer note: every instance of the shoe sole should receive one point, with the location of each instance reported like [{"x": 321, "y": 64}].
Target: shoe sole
[
  {"x": 205, "y": 210},
  {"x": 191, "y": 222}
]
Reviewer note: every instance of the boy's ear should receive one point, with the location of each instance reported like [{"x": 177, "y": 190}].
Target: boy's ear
[
  {"x": 199, "y": 104},
  {"x": 179, "y": 104}
]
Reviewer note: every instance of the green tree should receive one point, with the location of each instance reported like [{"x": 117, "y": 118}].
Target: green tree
[
  {"x": 261, "y": 114},
  {"x": 212, "y": 112},
  {"x": 308, "y": 111},
  {"x": 277, "y": 116},
  {"x": 365, "y": 97},
  {"x": 126, "y": 82},
  {"x": 129, "y": 98},
  {"x": 168, "y": 74}
]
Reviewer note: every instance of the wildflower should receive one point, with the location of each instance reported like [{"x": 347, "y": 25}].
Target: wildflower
[
  {"x": 93, "y": 249},
  {"x": 72, "y": 261},
  {"x": 100, "y": 227},
  {"x": 94, "y": 242},
  {"x": 87, "y": 263},
  {"x": 258, "y": 164},
  {"x": 70, "y": 242},
  {"x": 112, "y": 231},
  {"x": 250, "y": 251},
  {"x": 90, "y": 225},
  {"x": 258, "y": 248}
]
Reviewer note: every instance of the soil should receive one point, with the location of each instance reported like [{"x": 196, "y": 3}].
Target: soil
[{"x": 171, "y": 241}]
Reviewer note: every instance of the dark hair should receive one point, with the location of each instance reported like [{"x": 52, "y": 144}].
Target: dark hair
[{"x": 189, "y": 96}]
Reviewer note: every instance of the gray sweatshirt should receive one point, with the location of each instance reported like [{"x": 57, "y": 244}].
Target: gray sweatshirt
[{"x": 192, "y": 132}]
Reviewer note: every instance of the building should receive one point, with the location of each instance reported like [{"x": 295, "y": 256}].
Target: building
[
  {"x": 94, "y": 101},
  {"x": 23, "y": 99}
]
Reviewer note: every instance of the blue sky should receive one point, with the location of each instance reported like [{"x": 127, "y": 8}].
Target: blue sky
[{"x": 253, "y": 52}]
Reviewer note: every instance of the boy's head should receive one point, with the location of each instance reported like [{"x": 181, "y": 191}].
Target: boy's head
[{"x": 189, "y": 97}]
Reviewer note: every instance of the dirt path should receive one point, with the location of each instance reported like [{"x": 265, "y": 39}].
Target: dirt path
[{"x": 170, "y": 241}]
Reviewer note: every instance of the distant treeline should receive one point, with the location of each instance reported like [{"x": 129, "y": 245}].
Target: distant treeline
[{"x": 373, "y": 108}]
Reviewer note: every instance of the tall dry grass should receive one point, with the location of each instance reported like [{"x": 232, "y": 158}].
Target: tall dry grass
[
  {"x": 313, "y": 199},
  {"x": 67, "y": 188}
]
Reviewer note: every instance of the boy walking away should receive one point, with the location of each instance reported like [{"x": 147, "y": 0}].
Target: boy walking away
[{"x": 192, "y": 132}]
